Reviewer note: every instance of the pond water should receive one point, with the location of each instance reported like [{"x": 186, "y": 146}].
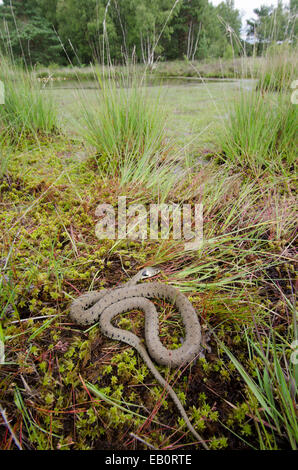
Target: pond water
[
  {"x": 196, "y": 110},
  {"x": 151, "y": 81}
]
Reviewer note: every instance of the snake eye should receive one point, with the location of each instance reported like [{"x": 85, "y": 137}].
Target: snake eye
[
  {"x": 146, "y": 273},
  {"x": 149, "y": 272}
]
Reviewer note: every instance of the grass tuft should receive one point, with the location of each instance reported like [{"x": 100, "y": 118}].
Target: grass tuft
[
  {"x": 27, "y": 112},
  {"x": 278, "y": 69},
  {"x": 261, "y": 132}
]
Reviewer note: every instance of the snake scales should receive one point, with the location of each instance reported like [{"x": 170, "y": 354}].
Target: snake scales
[{"x": 104, "y": 305}]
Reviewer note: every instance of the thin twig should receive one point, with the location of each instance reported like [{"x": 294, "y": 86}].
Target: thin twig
[
  {"x": 142, "y": 440},
  {"x": 14, "y": 437},
  {"x": 43, "y": 317}
]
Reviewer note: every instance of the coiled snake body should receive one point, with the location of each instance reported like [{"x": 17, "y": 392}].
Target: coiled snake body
[{"x": 104, "y": 305}]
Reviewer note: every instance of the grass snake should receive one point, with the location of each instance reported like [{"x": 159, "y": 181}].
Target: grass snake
[{"x": 104, "y": 305}]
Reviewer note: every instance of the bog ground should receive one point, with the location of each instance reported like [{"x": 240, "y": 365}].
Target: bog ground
[{"x": 68, "y": 387}]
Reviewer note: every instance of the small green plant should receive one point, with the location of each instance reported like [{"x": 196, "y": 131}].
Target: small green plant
[{"x": 272, "y": 392}]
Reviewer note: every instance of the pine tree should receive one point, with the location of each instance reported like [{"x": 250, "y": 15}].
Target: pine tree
[{"x": 26, "y": 33}]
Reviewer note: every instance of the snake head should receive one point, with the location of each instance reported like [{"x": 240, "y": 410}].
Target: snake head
[{"x": 146, "y": 273}]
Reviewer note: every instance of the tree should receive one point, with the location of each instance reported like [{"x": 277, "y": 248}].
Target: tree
[
  {"x": 230, "y": 27},
  {"x": 75, "y": 19},
  {"x": 292, "y": 14},
  {"x": 27, "y": 33},
  {"x": 144, "y": 26},
  {"x": 49, "y": 11},
  {"x": 188, "y": 28},
  {"x": 273, "y": 25},
  {"x": 200, "y": 30},
  {"x": 144, "y": 29}
]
